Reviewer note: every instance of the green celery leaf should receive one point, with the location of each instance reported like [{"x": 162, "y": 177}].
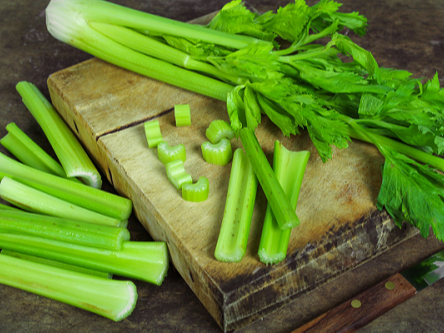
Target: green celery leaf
[
  {"x": 197, "y": 49},
  {"x": 369, "y": 105},
  {"x": 277, "y": 115},
  {"x": 236, "y": 109},
  {"x": 252, "y": 108}
]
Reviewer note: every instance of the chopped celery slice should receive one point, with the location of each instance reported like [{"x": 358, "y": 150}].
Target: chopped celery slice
[
  {"x": 152, "y": 133},
  {"x": 219, "y": 129},
  {"x": 182, "y": 115},
  {"x": 112, "y": 299},
  {"x": 69, "y": 151},
  {"x": 196, "y": 192},
  {"x": 289, "y": 167},
  {"x": 219, "y": 153},
  {"x": 145, "y": 261},
  {"x": 177, "y": 175},
  {"x": 242, "y": 187},
  {"x": 168, "y": 154},
  {"x": 58, "y": 264},
  {"x": 67, "y": 230},
  {"x": 79, "y": 194},
  {"x": 30, "y": 199}
]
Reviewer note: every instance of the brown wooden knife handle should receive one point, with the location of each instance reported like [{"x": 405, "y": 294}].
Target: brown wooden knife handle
[{"x": 362, "y": 309}]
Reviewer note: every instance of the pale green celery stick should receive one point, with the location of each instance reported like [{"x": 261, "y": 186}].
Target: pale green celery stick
[
  {"x": 153, "y": 133},
  {"x": 196, "y": 192},
  {"x": 242, "y": 187},
  {"x": 145, "y": 261},
  {"x": 177, "y": 175},
  {"x": 168, "y": 154},
  {"x": 69, "y": 151},
  {"x": 284, "y": 213},
  {"x": 219, "y": 153},
  {"x": 182, "y": 115},
  {"x": 10, "y": 208},
  {"x": 219, "y": 129},
  {"x": 289, "y": 167},
  {"x": 112, "y": 299},
  {"x": 79, "y": 194},
  {"x": 69, "y": 25},
  {"x": 30, "y": 199},
  {"x": 54, "y": 263},
  {"x": 67, "y": 230}
]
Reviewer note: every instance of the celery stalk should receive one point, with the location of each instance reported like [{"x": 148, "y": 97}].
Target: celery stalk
[
  {"x": 69, "y": 151},
  {"x": 67, "y": 230},
  {"x": 145, "y": 261},
  {"x": 289, "y": 167},
  {"x": 153, "y": 133},
  {"x": 196, "y": 192},
  {"x": 219, "y": 129},
  {"x": 219, "y": 153},
  {"x": 242, "y": 187},
  {"x": 182, "y": 115},
  {"x": 112, "y": 299},
  {"x": 177, "y": 175},
  {"x": 10, "y": 208},
  {"x": 168, "y": 154}
]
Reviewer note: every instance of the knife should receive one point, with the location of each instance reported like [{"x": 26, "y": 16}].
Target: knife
[{"x": 373, "y": 302}]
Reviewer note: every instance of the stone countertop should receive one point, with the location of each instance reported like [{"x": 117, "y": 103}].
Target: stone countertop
[{"x": 405, "y": 34}]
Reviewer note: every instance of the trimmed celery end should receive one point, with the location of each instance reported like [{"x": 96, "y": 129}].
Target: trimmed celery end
[
  {"x": 153, "y": 133},
  {"x": 109, "y": 298},
  {"x": 72, "y": 156},
  {"x": 242, "y": 187},
  {"x": 168, "y": 154},
  {"x": 219, "y": 129},
  {"x": 177, "y": 175},
  {"x": 76, "y": 232},
  {"x": 30, "y": 199},
  {"x": 144, "y": 261},
  {"x": 285, "y": 214},
  {"x": 197, "y": 192},
  {"x": 219, "y": 153},
  {"x": 182, "y": 115},
  {"x": 289, "y": 167},
  {"x": 54, "y": 263}
]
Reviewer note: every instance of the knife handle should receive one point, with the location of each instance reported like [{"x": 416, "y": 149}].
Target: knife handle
[{"x": 362, "y": 309}]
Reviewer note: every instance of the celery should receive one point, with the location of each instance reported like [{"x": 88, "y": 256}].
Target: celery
[
  {"x": 152, "y": 133},
  {"x": 242, "y": 187},
  {"x": 196, "y": 192},
  {"x": 219, "y": 153},
  {"x": 182, "y": 115},
  {"x": 69, "y": 151},
  {"x": 79, "y": 194},
  {"x": 112, "y": 299},
  {"x": 289, "y": 167},
  {"x": 67, "y": 230},
  {"x": 219, "y": 129},
  {"x": 33, "y": 200},
  {"x": 6, "y": 207},
  {"x": 145, "y": 261},
  {"x": 168, "y": 154},
  {"x": 177, "y": 175}
]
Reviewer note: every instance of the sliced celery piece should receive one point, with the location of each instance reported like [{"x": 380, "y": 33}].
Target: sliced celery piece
[
  {"x": 182, "y": 115},
  {"x": 219, "y": 153},
  {"x": 196, "y": 192},
  {"x": 219, "y": 129},
  {"x": 112, "y": 299},
  {"x": 77, "y": 193},
  {"x": 289, "y": 167},
  {"x": 30, "y": 199},
  {"x": 54, "y": 263},
  {"x": 69, "y": 151},
  {"x": 153, "y": 133},
  {"x": 145, "y": 261},
  {"x": 67, "y": 230},
  {"x": 242, "y": 187},
  {"x": 168, "y": 154},
  {"x": 177, "y": 175}
]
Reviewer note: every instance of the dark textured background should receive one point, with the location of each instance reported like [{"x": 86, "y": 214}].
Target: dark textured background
[{"x": 406, "y": 34}]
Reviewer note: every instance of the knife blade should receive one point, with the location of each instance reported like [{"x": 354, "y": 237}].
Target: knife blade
[{"x": 357, "y": 312}]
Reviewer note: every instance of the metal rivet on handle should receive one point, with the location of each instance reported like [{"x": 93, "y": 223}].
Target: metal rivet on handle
[
  {"x": 389, "y": 285},
  {"x": 356, "y": 303}
]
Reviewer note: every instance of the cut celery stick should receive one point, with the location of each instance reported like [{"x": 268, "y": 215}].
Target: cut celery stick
[
  {"x": 145, "y": 261},
  {"x": 219, "y": 129},
  {"x": 197, "y": 192},
  {"x": 153, "y": 133},
  {"x": 289, "y": 167},
  {"x": 112, "y": 299},
  {"x": 77, "y": 193},
  {"x": 69, "y": 151},
  {"x": 67, "y": 230},
  {"x": 168, "y": 154},
  {"x": 219, "y": 153},
  {"x": 177, "y": 175},
  {"x": 30, "y": 199},
  {"x": 58, "y": 264},
  {"x": 242, "y": 187},
  {"x": 182, "y": 115}
]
